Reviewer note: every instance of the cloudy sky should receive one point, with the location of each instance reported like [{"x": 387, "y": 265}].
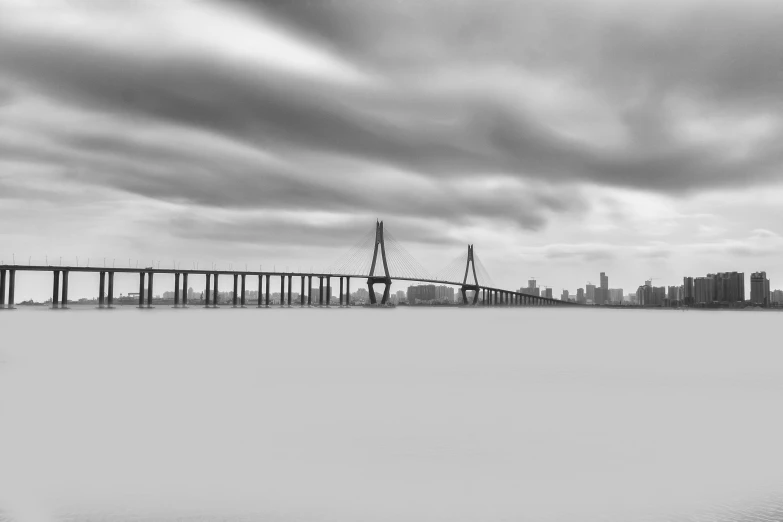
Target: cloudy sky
[{"x": 562, "y": 138}]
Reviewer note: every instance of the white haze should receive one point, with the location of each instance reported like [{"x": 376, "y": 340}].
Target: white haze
[{"x": 398, "y": 415}]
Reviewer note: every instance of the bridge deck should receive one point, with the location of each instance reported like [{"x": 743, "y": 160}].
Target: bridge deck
[{"x": 152, "y": 270}]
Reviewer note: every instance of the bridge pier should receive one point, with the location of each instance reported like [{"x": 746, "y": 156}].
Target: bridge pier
[
  {"x": 301, "y": 293},
  {"x": 320, "y": 291},
  {"x": 328, "y": 291},
  {"x": 268, "y": 280},
  {"x": 176, "y": 290},
  {"x": 282, "y": 290},
  {"x": 56, "y": 289},
  {"x": 236, "y": 290},
  {"x": 184, "y": 290},
  {"x": 64, "y": 303},
  {"x": 215, "y": 292},
  {"x": 149, "y": 289},
  {"x": 341, "y": 292},
  {"x": 347, "y": 291},
  {"x": 111, "y": 290},
  {"x": 101, "y": 286},
  {"x": 243, "y": 294},
  {"x": 290, "y": 281},
  {"x": 207, "y": 290},
  {"x": 2, "y": 288},
  {"x": 309, "y": 290},
  {"x": 260, "y": 291},
  {"x": 11, "y": 288},
  {"x": 141, "y": 289}
]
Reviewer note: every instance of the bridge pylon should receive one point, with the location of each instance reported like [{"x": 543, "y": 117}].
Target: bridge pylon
[
  {"x": 386, "y": 278},
  {"x": 470, "y": 264}
]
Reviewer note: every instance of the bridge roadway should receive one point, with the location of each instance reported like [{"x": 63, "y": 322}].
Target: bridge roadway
[{"x": 490, "y": 296}]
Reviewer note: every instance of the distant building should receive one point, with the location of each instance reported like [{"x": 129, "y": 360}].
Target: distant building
[
  {"x": 615, "y": 296},
  {"x": 580, "y": 296},
  {"x": 759, "y": 288},
  {"x": 421, "y": 293},
  {"x": 548, "y": 294},
  {"x": 564, "y": 295},
  {"x": 703, "y": 288},
  {"x": 590, "y": 293},
  {"x": 673, "y": 293},
  {"x": 687, "y": 296},
  {"x": 401, "y": 297},
  {"x": 776, "y": 296},
  {"x": 531, "y": 289}
]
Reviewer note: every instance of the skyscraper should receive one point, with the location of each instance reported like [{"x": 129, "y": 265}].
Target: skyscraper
[
  {"x": 759, "y": 288},
  {"x": 590, "y": 293},
  {"x": 564, "y": 295},
  {"x": 687, "y": 293},
  {"x": 580, "y": 295}
]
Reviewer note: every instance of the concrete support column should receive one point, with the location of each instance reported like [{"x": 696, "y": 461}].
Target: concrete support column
[
  {"x": 301, "y": 293},
  {"x": 141, "y": 289},
  {"x": 56, "y": 289},
  {"x": 309, "y": 290},
  {"x": 101, "y": 286},
  {"x": 2, "y": 288},
  {"x": 215, "y": 292},
  {"x": 149, "y": 290},
  {"x": 328, "y": 291},
  {"x": 184, "y": 290},
  {"x": 290, "y": 281},
  {"x": 111, "y": 290},
  {"x": 321, "y": 291},
  {"x": 207, "y": 291},
  {"x": 243, "y": 294},
  {"x": 260, "y": 290},
  {"x": 267, "y": 289},
  {"x": 64, "y": 301},
  {"x": 236, "y": 289},
  {"x": 282, "y": 290},
  {"x": 176, "y": 290},
  {"x": 347, "y": 291},
  {"x": 11, "y": 287},
  {"x": 341, "y": 292}
]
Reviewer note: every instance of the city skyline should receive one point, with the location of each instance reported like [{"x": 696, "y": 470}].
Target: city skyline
[{"x": 559, "y": 158}]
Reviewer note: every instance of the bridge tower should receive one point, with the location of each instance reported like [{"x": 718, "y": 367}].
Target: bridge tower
[
  {"x": 386, "y": 278},
  {"x": 465, "y": 285}
]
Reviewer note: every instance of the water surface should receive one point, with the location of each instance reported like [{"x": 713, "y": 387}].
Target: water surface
[{"x": 398, "y": 415}]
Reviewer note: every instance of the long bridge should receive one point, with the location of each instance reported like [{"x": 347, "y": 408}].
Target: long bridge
[{"x": 352, "y": 265}]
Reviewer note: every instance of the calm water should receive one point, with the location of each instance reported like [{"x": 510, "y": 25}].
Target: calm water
[{"x": 390, "y": 415}]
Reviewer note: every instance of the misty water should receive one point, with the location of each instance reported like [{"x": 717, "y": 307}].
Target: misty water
[{"x": 392, "y": 415}]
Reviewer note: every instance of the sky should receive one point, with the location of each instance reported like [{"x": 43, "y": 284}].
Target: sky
[{"x": 561, "y": 138}]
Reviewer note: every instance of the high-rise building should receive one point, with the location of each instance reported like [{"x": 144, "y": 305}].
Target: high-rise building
[
  {"x": 703, "y": 290},
  {"x": 759, "y": 288},
  {"x": 564, "y": 295},
  {"x": 548, "y": 294},
  {"x": 776, "y": 296},
  {"x": 401, "y": 297},
  {"x": 728, "y": 286},
  {"x": 687, "y": 290},
  {"x": 673, "y": 293},
  {"x": 580, "y": 295},
  {"x": 644, "y": 295},
  {"x": 422, "y": 293},
  {"x": 659, "y": 294},
  {"x": 615, "y": 296},
  {"x": 590, "y": 293},
  {"x": 531, "y": 288}
]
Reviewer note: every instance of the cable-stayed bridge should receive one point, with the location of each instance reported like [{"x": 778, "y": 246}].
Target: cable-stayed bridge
[{"x": 378, "y": 258}]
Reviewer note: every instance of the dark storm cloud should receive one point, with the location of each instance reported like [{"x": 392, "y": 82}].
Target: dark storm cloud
[{"x": 430, "y": 106}]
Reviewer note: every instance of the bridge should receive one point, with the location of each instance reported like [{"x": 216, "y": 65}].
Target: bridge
[{"x": 370, "y": 259}]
